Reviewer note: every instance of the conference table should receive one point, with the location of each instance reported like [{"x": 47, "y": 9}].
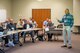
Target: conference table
[
  {"x": 56, "y": 32},
  {"x": 17, "y": 31}
]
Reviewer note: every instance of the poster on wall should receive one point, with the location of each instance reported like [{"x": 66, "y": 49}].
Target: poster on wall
[{"x": 2, "y": 15}]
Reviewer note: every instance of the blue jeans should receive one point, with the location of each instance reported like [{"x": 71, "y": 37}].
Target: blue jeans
[
  {"x": 67, "y": 31},
  {"x": 14, "y": 38},
  {"x": 31, "y": 33},
  {"x": 1, "y": 33}
]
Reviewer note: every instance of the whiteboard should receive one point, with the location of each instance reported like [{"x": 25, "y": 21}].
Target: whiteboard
[{"x": 2, "y": 15}]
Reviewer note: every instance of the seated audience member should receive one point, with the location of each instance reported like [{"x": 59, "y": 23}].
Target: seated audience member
[
  {"x": 24, "y": 20},
  {"x": 45, "y": 22},
  {"x": 40, "y": 35},
  {"x": 30, "y": 20},
  {"x": 1, "y": 28},
  {"x": 20, "y": 24},
  {"x": 28, "y": 25},
  {"x": 50, "y": 26},
  {"x": 4, "y": 25},
  {"x": 1, "y": 32},
  {"x": 33, "y": 22},
  {"x": 11, "y": 26}
]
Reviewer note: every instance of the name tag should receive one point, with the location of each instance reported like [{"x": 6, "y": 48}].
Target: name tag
[
  {"x": 27, "y": 26},
  {"x": 65, "y": 20},
  {"x": 12, "y": 28},
  {"x": 1, "y": 33}
]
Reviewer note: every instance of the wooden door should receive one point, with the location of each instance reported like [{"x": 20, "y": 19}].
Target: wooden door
[{"x": 39, "y": 15}]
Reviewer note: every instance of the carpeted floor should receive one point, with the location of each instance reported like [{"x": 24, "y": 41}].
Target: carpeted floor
[{"x": 47, "y": 47}]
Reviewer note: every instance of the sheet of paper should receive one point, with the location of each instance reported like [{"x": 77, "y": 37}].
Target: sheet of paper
[{"x": 2, "y": 15}]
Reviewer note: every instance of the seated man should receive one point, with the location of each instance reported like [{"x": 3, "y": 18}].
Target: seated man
[
  {"x": 28, "y": 25},
  {"x": 40, "y": 35},
  {"x": 1, "y": 32},
  {"x": 50, "y": 25},
  {"x": 20, "y": 24},
  {"x": 11, "y": 26},
  {"x": 34, "y": 23},
  {"x": 45, "y": 22},
  {"x": 4, "y": 25}
]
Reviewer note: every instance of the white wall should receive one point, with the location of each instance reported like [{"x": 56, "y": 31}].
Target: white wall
[
  {"x": 23, "y": 8},
  {"x": 76, "y": 11},
  {"x": 2, "y": 15},
  {"x": 6, "y": 4}
]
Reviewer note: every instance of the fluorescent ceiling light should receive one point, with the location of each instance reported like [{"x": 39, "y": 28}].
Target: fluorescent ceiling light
[{"x": 39, "y": 0}]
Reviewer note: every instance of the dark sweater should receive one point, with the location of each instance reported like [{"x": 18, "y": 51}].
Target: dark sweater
[
  {"x": 10, "y": 26},
  {"x": 1, "y": 29},
  {"x": 30, "y": 26}
]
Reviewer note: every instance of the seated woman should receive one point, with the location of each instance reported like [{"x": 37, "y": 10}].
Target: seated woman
[{"x": 28, "y": 25}]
